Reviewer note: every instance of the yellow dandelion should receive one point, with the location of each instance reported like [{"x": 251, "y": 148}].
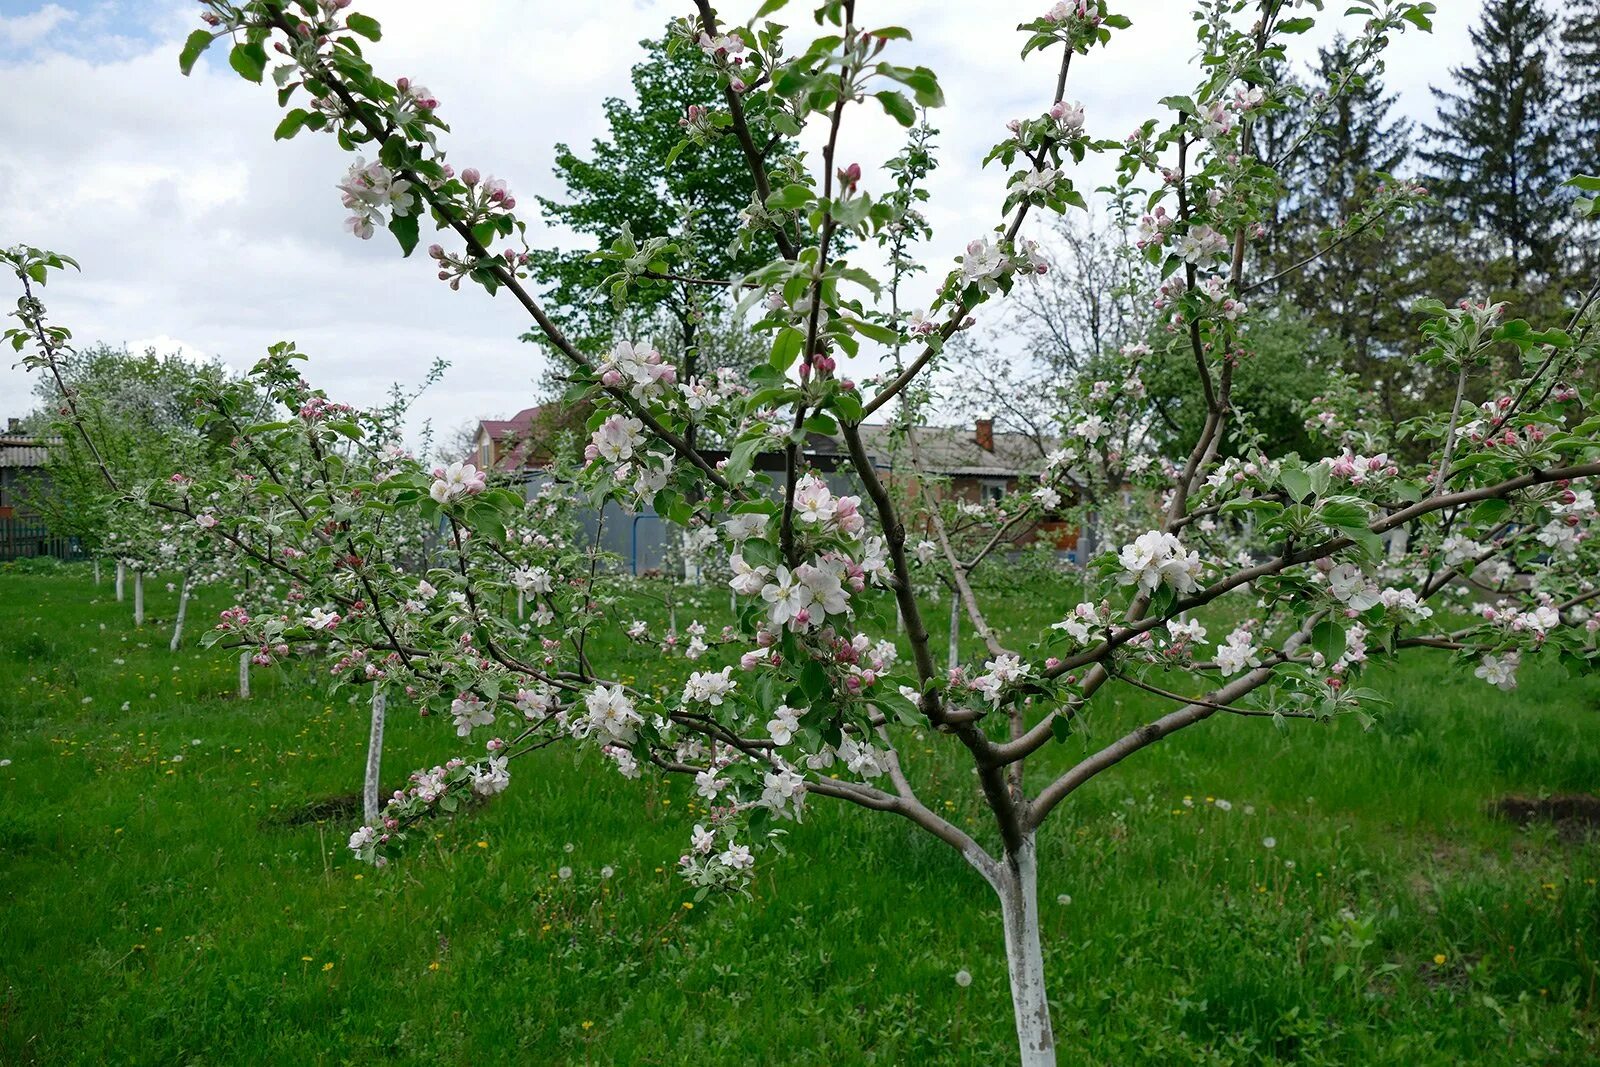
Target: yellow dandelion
[
  {"x": 1440, "y": 959},
  {"x": 328, "y": 966}
]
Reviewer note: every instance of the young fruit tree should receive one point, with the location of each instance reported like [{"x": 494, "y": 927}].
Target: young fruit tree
[{"x": 1465, "y": 531}]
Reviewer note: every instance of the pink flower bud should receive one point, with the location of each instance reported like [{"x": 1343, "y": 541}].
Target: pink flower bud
[{"x": 470, "y": 176}]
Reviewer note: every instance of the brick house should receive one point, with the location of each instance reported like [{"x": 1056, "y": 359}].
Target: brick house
[{"x": 528, "y": 440}]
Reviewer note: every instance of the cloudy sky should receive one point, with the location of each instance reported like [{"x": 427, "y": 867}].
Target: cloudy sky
[{"x": 196, "y": 231}]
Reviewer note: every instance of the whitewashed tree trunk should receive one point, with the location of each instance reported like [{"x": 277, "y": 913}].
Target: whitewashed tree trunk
[
  {"x": 955, "y": 630},
  {"x": 138, "y": 598},
  {"x": 522, "y": 604},
  {"x": 183, "y": 612},
  {"x": 122, "y": 570},
  {"x": 1018, "y": 886},
  {"x": 244, "y": 675},
  {"x": 1399, "y": 542},
  {"x": 369, "y": 790},
  {"x": 97, "y": 571}
]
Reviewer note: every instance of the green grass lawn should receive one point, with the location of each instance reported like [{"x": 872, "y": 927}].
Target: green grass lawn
[{"x": 164, "y": 898}]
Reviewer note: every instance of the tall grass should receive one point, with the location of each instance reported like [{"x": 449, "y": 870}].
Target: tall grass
[{"x": 158, "y": 909}]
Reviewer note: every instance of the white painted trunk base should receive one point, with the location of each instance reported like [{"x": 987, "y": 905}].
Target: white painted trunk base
[
  {"x": 138, "y": 598},
  {"x": 244, "y": 676},
  {"x": 183, "y": 612},
  {"x": 122, "y": 571},
  {"x": 369, "y": 790},
  {"x": 955, "y": 630},
  {"x": 1019, "y": 911}
]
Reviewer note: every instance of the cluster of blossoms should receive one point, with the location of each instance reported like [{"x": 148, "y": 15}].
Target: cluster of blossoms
[
  {"x": 1080, "y": 625},
  {"x": 637, "y": 368},
  {"x": 441, "y": 788},
  {"x": 1000, "y": 672},
  {"x": 456, "y": 481},
  {"x": 369, "y": 189},
  {"x": 984, "y": 265},
  {"x": 1238, "y": 653},
  {"x": 618, "y": 443},
  {"x": 1156, "y": 557},
  {"x": 1079, "y": 12},
  {"x": 1360, "y": 470},
  {"x": 1537, "y": 622}
]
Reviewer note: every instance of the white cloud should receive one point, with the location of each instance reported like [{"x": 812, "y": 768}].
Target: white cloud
[
  {"x": 191, "y": 223},
  {"x": 22, "y": 31}
]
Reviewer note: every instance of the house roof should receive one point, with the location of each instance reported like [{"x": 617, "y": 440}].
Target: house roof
[
  {"x": 954, "y": 451},
  {"x": 24, "y": 450},
  {"x": 518, "y": 424}
]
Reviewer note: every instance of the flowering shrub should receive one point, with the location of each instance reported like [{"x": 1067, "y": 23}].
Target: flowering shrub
[{"x": 1467, "y": 531}]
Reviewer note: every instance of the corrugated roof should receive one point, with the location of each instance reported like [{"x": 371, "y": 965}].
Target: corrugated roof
[
  {"x": 954, "y": 450},
  {"x": 18, "y": 451}
]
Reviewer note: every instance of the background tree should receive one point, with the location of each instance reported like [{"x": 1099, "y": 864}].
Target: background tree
[
  {"x": 1495, "y": 153},
  {"x": 141, "y": 409},
  {"x": 1580, "y": 92},
  {"x": 1360, "y": 288},
  {"x": 624, "y": 185}
]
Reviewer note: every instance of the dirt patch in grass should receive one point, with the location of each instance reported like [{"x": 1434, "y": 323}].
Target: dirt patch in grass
[{"x": 1575, "y": 815}]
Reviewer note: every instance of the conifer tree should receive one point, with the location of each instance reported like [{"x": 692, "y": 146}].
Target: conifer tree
[{"x": 1496, "y": 153}]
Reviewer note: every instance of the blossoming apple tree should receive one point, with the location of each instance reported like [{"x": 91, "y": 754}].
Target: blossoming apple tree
[{"x": 1307, "y": 567}]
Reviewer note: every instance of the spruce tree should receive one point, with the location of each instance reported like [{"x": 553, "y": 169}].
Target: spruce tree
[
  {"x": 1580, "y": 78},
  {"x": 1495, "y": 154},
  {"x": 1580, "y": 81}
]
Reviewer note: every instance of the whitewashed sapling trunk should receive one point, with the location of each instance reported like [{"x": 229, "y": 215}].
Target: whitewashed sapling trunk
[
  {"x": 122, "y": 570},
  {"x": 138, "y": 598},
  {"x": 955, "y": 630},
  {"x": 369, "y": 790},
  {"x": 1016, "y": 881},
  {"x": 97, "y": 571},
  {"x": 244, "y": 675},
  {"x": 183, "y": 612}
]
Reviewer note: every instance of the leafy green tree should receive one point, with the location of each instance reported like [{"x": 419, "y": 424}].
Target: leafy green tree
[
  {"x": 623, "y": 186},
  {"x": 1292, "y": 360},
  {"x": 140, "y": 410}
]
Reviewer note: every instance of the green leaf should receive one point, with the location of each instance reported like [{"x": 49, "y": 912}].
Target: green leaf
[
  {"x": 871, "y": 330},
  {"x": 365, "y": 25},
  {"x": 790, "y": 198},
  {"x": 814, "y": 679},
  {"x": 897, "y": 107},
  {"x": 196, "y": 43},
  {"x": 404, "y": 228},
  {"x": 822, "y": 423},
  {"x": 1061, "y": 728},
  {"x": 848, "y": 405},
  {"x": 291, "y": 124},
  {"x": 786, "y": 348},
  {"x": 1327, "y": 637},
  {"x": 1300, "y": 25},
  {"x": 769, "y": 7},
  {"x": 250, "y": 60},
  {"x": 1297, "y": 483}
]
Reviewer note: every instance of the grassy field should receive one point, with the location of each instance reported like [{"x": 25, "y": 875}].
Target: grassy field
[{"x": 166, "y": 895}]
